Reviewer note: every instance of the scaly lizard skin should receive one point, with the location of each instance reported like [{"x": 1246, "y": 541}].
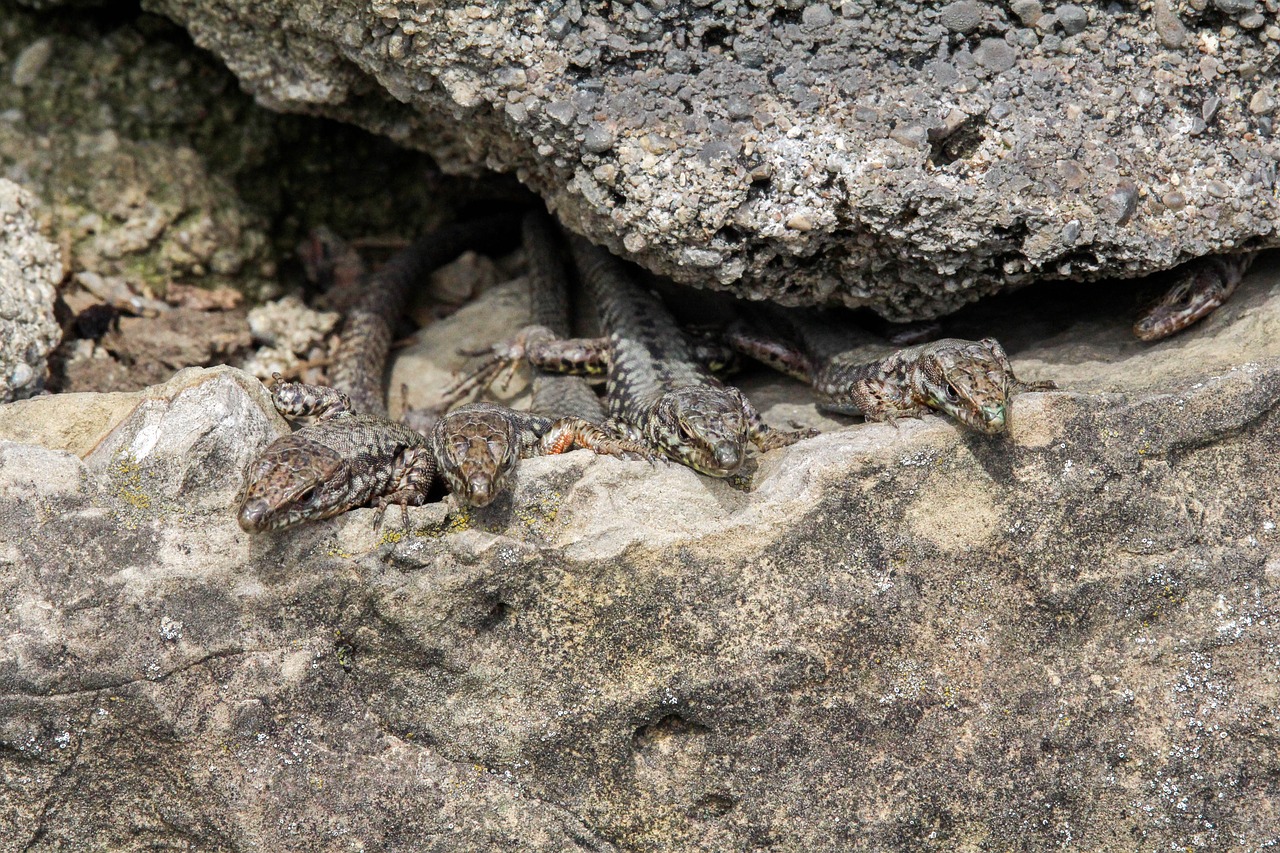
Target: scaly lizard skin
[
  {"x": 655, "y": 386},
  {"x": 360, "y": 358},
  {"x": 342, "y": 461},
  {"x": 478, "y": 445},
  {"x": 1201, "y": 286},
  {"x": 972, "y": 381},
  {"x": 657, "y": 389},
  {"x": 347, "y": 460}
]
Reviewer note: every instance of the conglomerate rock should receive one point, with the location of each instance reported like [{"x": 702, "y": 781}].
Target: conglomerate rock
[
  {"x": 896, "y": 639},
  {"x": 910, "y": 156},
  {"x": 29, "y": 269}
]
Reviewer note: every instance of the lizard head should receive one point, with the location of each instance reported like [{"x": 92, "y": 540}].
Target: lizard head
[
  {"x": 476, "y": 449},
  {"x": 702, "y": 427},
  {"x": 969, "y": 380},
  {"x": 1200, "y": 289},
  {"x": 294, "y": 480}
]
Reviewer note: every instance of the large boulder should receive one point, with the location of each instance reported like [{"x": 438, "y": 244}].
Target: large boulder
[
  {"x": 910, "y": 156},
  {"x": 893, "y": 639}
]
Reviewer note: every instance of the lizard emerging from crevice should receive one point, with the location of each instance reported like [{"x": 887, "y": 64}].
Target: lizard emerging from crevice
[
  {"x": 971, "y": 381},
  {"x": 1199, "y": 288},
  {"x": 657, "y": 389},
  {"x": 348, "y": 459},
  {"x": 478, "y": 444}
]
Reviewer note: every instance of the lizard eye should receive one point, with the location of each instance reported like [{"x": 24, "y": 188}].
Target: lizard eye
[
  {"x": 307, "y": 495},
  {"x": 953, "y": 396}
]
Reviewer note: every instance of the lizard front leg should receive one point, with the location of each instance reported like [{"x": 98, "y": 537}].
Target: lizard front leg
[
  {"x": 763, "y": 436},
  {"x": 411, "y": 476},
  {"x": 885, "y": 398},
  {"x": 538, "y": 346},
  {"x": 569, "y": 433}
]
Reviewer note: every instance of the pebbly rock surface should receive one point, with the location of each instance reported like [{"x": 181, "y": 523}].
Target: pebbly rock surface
[
  {"x": 909, "y": 156},
  {"x": 895, "y": 639},
  {"x": 30, "y": 267}
]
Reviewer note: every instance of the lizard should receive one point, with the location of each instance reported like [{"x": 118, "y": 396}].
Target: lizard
[
  {"x": 478, "y": 444},
  {"x": 657, "y": 391},
  {"x": 346, "y": 460},
  {"x": 971, "y": 381},
  {"x": 1200, "y": 287}
]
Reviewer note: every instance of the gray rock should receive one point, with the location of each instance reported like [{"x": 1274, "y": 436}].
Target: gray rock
[
  {"x": 632, "y": 657},
  {"x": 1073, "y": 18},
  {"x": 962, "y": 16},
  {"x": 30, "y": 266},
  {"x": 1028, "y": 11},
  {"x": 528, "y": 89}
]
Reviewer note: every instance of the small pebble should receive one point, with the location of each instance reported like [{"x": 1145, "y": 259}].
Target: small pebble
[
  {"x": 995, "y": 55},
  {"x": 817, "y": 15},
  {"x": 1073, "y": 18},
  {"x": 1028, "y": 11},
  {"x": 962, "y": 16},
  {"x": 912, "y": 135},
  {"x": 598, "y": 139},
  {"x": 29, "y": 64},
  {"x": 1122, "y": 203},
  {"x": 1173, "y": 34}
]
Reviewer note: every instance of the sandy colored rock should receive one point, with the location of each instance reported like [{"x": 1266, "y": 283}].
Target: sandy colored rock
[{"x": 894, "y": 639}]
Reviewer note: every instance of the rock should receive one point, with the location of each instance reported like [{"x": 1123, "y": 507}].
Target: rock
[
  {"x": 151, "y": 164},
  {"x": 1073, "y": 18},
  {"x": 895, "y": 639},
  {"x": 962, "y": 16},
  {"x": 30, "y": 266},
  {"x": 593, "y": 109}
]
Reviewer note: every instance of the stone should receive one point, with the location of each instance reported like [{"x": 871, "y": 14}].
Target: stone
[
  {"x": 962, "y": 16},
  {"x": 624, "y": 656},
  {"x": 30, "y": 267},
  {"x": 595, "y": 88},
  {"x": 1073, "y": 18},
  {"x": 1028, "y": 11}
]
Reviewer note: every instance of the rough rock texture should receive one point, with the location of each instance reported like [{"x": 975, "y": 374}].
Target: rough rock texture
[
  {"x": 29, "y": 269},
  {"x": 154, "y": 167},
  {"x": 910, "y": 156},
  {"x": 898, "y": 639}
]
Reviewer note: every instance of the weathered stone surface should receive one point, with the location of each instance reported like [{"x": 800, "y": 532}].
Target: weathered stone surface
[
  {"x": 898, "y": 639},
  {"x": 152, "y": 166},
  {"x": 29, "y": 269},
  {"x": 753, "y": 146}
]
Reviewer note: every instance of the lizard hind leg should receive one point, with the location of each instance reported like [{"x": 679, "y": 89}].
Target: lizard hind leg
[{"x": 497, "y": 366}]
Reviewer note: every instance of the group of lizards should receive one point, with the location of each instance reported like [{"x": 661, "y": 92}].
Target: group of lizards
[{"x": 662, "y": 397}]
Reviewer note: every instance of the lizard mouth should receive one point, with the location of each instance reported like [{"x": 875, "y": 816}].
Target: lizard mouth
[
  {"x": 992, "y": 419},
  {"x": 251, "y": 516}
]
